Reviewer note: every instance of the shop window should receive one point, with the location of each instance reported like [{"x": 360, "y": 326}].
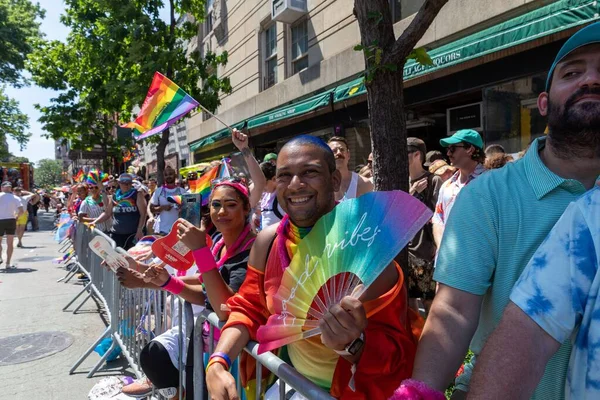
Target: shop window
[
  {"x": 269, "y": 45},
  {"x": 299, "y": 34},
  {"x": 512, "y": 118}
]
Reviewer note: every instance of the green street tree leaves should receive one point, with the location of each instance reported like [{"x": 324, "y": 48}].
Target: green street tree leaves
[{"x": 48, "y": 173}]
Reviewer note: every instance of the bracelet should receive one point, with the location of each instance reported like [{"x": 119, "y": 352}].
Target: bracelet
[
  {"x": 166, "y": 283},
  {"x": 204, "y": 259},
  {"x": 216, "y": 360},
  {"x": 222, "y": 355},
  {"x": 174, "y": 285},
  {"x": 413, "y": 389}
]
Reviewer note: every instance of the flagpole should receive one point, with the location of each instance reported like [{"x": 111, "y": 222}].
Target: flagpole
[{"x": 217, "y": 118}]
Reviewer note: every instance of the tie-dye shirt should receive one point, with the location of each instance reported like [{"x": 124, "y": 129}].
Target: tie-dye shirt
[{"x": 559, "y": 290}]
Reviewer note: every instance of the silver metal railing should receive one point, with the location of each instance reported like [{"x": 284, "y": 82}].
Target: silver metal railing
[{"x": 136, "y": 316}]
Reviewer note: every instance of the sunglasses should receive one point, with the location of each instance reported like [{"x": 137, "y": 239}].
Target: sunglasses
[{"x": 452, "y": 148}]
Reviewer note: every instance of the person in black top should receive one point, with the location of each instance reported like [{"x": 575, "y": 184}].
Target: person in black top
[{"x": 221, "y": 276}]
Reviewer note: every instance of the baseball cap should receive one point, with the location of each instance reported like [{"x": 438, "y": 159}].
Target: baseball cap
[
  {"x": 125, "y": 178},
  {"x": 7, "y": 183},
  {"x": 416, "y": 143},
  {"x": 588, "y": 35},
  {"x": 270, "y": 157},
  {"x": 439, "y": 167},
  {"x": 432, "y": 156},
  {"x": 464, "y": 135}
]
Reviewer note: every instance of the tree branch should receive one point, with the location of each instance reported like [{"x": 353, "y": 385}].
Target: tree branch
[{"x": 415, "y": 31}]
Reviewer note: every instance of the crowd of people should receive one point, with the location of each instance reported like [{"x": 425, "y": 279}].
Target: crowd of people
[{"x": 506, "y": 268}]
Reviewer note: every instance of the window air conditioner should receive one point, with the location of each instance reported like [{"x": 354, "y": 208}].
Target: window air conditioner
[{"x": 288, "y": 11}]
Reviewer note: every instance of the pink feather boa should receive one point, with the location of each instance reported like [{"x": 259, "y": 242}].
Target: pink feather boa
[{"x": 411, "y": 389}]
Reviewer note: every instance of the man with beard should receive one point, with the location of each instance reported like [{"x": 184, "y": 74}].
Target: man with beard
[
  {"x": 496, "y": 226},
  {"x": 352, "y": 185},
  {"x": 162, "y": 212},
  {"x": 366, "y": 344}
]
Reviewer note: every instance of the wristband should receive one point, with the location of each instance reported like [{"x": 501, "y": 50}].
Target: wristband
[
  {"x": 413, "y": 389},
  {"x": 217, "y": 360},
  {"x": 174, "y": 285},
  {"x": 222, "y": 355},
  {"x": 204, "y": 259}
]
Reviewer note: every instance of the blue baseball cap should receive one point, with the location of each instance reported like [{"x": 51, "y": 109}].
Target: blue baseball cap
[
  {"x": 464, "y": 136},
  {"x": 588, "y": 35}
]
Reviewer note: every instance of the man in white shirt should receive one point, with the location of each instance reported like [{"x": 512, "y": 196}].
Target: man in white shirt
[
  {"x": 24, "y": 197},
  {"x": 163, "y": 212},
  {"x": 10, "y": 209}
]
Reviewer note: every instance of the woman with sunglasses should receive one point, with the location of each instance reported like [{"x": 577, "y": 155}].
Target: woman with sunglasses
[
  {"x": 94, "y": 206},
  {"x": 222, "y": 270}
]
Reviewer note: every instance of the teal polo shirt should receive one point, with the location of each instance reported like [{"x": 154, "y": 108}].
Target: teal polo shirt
[{"x": 497, "y": 223}]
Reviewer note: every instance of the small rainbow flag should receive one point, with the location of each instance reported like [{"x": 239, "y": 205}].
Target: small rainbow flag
[
  {"x": 202, "y": 184},
  {"x": 165, "y": 103},
  {"x": 79, "y": 177}
]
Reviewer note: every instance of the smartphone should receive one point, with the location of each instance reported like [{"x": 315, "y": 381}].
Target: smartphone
[{"x": 191, "y": 205}]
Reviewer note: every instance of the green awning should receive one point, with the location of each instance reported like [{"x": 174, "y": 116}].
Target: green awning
[
  {"x": 544, "y": 21},
  {"x": 292, "y": 110},
  {"x": 215, "y": 137}
]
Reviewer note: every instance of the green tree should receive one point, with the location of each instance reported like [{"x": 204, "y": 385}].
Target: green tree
[
  {"x": 385, "y": 57},
  {"x": 105, "y": 67},
  {"x": 19, "y": 30},
  {"x": 48, "y": 173},
  {"x": 12, "y": 123}
]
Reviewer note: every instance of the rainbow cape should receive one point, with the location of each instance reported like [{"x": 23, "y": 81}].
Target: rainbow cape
[{"x": 165, "y": 103}]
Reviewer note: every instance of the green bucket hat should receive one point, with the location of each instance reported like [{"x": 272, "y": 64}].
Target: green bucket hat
[
  {"x": 588, "y": 35},
  {"x": 464, "y": 135},
  {"x": 270, "y": 157}
]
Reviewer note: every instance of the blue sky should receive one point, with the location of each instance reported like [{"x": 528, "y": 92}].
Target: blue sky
[{"x": 38, "y": 146}]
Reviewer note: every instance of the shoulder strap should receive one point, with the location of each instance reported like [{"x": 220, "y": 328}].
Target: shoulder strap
[{"x": 276, "y": 212}]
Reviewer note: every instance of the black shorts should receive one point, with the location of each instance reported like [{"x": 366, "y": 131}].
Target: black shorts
[{"x": 8, "y": 226}]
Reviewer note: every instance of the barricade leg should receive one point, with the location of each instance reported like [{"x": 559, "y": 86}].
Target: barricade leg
[
  {"x": 85, "y": 288},
  {"x": 102, "y": 360},
  {"x": 83, "y": 302},
  {"x": 89, "y": 351},
  {"x": 198, "y": 360},
  {"x": 70, "y": 273}
]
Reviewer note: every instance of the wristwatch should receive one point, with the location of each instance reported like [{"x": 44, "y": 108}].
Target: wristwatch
[{"x": 354, "y": 347}]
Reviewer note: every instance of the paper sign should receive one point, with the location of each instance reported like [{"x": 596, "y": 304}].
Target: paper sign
[{"x": 104, "y": 250}]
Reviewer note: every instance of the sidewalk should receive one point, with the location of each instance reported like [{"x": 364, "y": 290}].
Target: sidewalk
[{"x": 31, "y": 302}]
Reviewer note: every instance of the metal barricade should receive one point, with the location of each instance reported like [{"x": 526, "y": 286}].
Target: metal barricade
[
  {"x": 286, "y": 373},
  {"x": 137, "y": 316}
]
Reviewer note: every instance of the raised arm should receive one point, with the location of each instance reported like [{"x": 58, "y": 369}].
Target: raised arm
[{"x": 259, "y": 181}]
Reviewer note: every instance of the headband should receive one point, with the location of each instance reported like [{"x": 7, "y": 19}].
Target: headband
[{"x": 240, "y": 187}]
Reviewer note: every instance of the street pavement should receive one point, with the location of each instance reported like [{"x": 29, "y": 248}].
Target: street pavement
[{"x": 31, "y": 302}]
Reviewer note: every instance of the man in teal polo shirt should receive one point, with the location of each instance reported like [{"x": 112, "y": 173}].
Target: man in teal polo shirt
[{"x": 500, "y": 219}]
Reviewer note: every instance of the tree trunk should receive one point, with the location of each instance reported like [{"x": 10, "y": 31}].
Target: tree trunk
[
  {"x": 164, "y": 140},
  {"x": 160, "y": 156},
  {"x": 385, "y": 100}
]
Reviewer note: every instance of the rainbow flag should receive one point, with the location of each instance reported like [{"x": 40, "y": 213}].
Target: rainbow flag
[
  {"x": 165, "y": 103},
  {"x": 202, "y": 184},
  {"x": 79, "y": 177}
]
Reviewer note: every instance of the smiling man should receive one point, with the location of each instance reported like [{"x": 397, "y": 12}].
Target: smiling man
[
  {"x": 352, "y": 184},
  {"x": 496, "y": 226},
  {"x": 366, "y": 345}
]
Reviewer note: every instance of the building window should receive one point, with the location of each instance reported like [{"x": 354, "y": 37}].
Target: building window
[
  {"x": 208, "y": 17},
  {"x": 270, "y": 56},
  {"x": 299, "y": 47}
]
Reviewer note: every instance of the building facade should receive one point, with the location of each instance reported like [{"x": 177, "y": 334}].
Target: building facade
[
  {"x": 304, "y": 76},
  {"x": 177, "y": 153}
]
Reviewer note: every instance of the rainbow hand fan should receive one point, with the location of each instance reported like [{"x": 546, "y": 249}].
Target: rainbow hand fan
[{"x": 351, "y": 245}]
